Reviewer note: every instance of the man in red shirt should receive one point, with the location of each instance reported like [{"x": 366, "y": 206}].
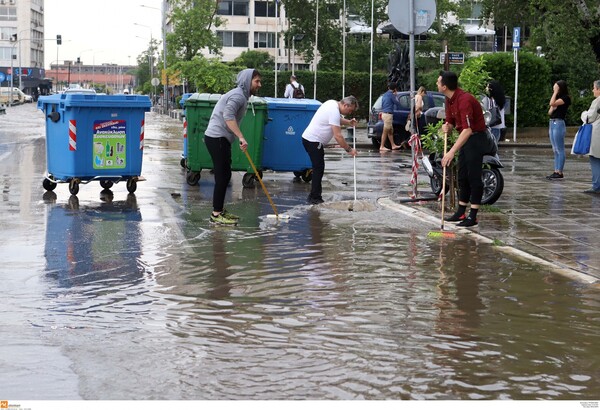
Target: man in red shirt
[{"x": 464, "y": 113}]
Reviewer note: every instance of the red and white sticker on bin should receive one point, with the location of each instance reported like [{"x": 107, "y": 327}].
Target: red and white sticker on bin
[{"x": 110, "y": 141}]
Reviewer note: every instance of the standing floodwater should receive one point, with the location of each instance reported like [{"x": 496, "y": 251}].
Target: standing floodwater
[{"x": 111, "y": 295}]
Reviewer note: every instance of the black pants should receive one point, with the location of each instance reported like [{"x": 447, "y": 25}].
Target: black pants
[
  {"x": 470, "y": 161},
  {"x": 317, "y": 158},
  {"x": 220, "y": 152}
]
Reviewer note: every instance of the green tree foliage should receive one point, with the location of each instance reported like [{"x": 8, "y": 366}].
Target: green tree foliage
[
  {"x": 207, "y": 75},
  {"x": 146, "y": 67},
  {"x": 474, "y": 77},
  {"x": 255, "y": 59},
  {"x": 193, "y": 21}
]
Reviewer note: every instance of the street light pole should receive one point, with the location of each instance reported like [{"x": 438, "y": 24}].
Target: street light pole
[{"x": 164, "y": 35}]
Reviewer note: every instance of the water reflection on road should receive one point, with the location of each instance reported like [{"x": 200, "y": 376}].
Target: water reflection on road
[{"x": 138, "y": 297}]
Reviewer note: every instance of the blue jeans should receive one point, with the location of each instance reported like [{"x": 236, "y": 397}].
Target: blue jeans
[
  {"x": 557, "y": 131},
  {"x": 496, "y": 132},
  {"x": 595, "y": 163}
]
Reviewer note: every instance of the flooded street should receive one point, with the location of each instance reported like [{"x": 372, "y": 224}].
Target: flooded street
[{"x": 111, "y": 295}]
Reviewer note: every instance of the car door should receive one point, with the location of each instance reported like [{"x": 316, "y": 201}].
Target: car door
[{"x": 401, "y": 115}]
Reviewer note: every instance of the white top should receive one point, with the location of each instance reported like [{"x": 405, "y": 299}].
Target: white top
[
  {"x": 319, "y": 129},
  {"x": 289, "y": 89}
]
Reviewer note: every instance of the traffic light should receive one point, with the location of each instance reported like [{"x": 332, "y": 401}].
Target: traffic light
[
  {"x": 58, "y": 39},
  {"x": 78, "y": 60}
]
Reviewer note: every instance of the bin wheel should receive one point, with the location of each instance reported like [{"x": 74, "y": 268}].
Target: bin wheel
[
  {"x": 249, "y": 180},
  {"x": 48, "y": 185},
  {"x": 183, "y": 163},
  {"x": 307, "y": 175},
  {"x": 131, "y": 185},
  {"x": 192, "y": 178},
  {"x": 73, "y": 187},
  {"x": 106, "y": 184},
  {"x": 297, "y": 174}
]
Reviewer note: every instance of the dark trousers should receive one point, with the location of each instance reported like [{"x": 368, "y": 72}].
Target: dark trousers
[
  {"x": 220, "y": 152},
  {"x": 317, "y": 158},
  {"x": 470, "y": 161}
]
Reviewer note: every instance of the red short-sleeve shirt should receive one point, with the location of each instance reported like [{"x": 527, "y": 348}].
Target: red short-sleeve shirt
[{"x": 464, "y": 111}]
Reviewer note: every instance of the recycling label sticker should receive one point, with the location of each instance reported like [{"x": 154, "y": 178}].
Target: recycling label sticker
[{"x": 109, "y": 142}]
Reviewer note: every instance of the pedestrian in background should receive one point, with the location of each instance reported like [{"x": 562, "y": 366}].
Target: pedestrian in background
[
  {"x": 389, "y": 103},
  {"x": 294, "y": 89},
  {"x": 559, "y": 104},
  {"x": 419, "y": 103},
  {"x": 464, "y": 113},
  {"x": 495, "y": 97},
  {"x": 222, "y": 130},
  {"x": 325, "y": 124},
  {"x": 592, "y": 116}
]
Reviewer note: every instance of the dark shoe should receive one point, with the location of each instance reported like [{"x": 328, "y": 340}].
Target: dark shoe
[
  {"x": 592, "y": 191},
  {"x": 467, "y": 222},
  {"x": 555, "y": 175},
  {"x": 314, "y": 201},
  {"x": 455, "y": 218}
]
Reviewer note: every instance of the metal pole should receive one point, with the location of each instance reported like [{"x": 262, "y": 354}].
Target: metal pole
[
  {"x": 344, "y": 50},
  {"x": 164, "y": 34},
  {"x": 293, "y": 54},
  {"x": 316, "y": 49},
  {"x": 516, "y": 58},
  {"x": 276, "y": 44},
  {"x": 371, "y": 64}
]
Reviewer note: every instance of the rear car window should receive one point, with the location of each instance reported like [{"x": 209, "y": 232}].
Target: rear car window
[{"x": 404, "y": 101}]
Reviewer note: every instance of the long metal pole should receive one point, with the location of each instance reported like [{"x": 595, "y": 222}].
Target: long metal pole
[
  {"x": 276, "y": 44},
  {"x": 316, "y": 49},
  {"x": 344, "y": 50},
  {"x": 516, "y": 58},
  {"x": 164, "y": 33},
  {"x": 371, "y": 64}
]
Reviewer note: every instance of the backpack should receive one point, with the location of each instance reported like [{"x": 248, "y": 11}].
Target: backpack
[{"x": 298, "y": 93}]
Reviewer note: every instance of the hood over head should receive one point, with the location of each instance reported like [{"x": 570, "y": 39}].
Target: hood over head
[{"x": 244, "y": 80}]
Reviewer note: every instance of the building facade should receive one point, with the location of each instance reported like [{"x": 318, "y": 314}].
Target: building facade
[{"x": 22, "y": 45}]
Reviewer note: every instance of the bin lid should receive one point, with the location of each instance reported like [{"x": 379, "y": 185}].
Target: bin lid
[
  {"x": 96, "y": 100},
  {"x": 292, "y": 103},
  {"x": 201, "y": 98}
]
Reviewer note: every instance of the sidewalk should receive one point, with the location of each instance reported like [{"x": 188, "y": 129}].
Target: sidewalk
[{"x": 552, "y": 220}]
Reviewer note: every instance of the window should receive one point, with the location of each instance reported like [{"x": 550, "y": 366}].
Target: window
[
  {"x": 233, "y": 38},
  {"x": 7, "y": 32},
  {"x": 5, "y": 53},
  {"x": 233, "y": 8},
  {"x": 264, "y": 9},
  {"x": 264, "y": 40},
  {"x": 8, "y": 14}
]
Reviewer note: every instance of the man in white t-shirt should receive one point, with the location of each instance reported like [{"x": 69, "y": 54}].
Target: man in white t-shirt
[{"x": 326, "y": 124}]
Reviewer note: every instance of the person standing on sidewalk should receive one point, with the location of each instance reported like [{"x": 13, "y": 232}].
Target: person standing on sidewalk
[
  {"x": 559, "y": 104},
  {"x": 592, "y": 116},
  {"x": 222, "y": 130},
  {"x": 495, "y": 97},
  {"x": 325, "y": 124},
  {"x": 389, "y": 103},
  {"x": 464, "y": 113}
]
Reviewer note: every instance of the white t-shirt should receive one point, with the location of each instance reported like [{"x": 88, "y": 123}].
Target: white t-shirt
[{"x": 319, "y": 129}]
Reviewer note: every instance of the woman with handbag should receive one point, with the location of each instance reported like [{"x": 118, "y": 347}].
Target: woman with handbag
[
  {"x": 592, "y": 116},
  {"x": 494, "y": 102},
  {"x": 559, "y": 104}
]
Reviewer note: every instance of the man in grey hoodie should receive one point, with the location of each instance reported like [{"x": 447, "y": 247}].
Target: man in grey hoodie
[{"x": 223, "y": 129}]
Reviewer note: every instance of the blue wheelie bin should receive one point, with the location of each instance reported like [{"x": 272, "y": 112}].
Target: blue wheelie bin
[
  {"x": 93, "y": 137},
  {"x": 282, "y": 146}
]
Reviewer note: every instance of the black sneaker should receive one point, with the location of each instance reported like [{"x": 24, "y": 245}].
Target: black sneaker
[
  {"x": 591, "y": 191},
  {"x": 456, "y": 217},
  {"x": 314, "y": 201},
  {"x": 467, "y": 222},
  {"x": 555, "y": 175}
]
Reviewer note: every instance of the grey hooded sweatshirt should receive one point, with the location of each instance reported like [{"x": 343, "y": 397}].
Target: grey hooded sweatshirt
[{"x": 231, "y": 106}]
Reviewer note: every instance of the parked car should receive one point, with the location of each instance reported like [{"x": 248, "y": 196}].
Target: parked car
[{"x": 375, "y": 125}]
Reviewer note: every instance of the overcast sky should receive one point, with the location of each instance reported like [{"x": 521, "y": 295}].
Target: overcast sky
[{"x": 100, "y": 31}]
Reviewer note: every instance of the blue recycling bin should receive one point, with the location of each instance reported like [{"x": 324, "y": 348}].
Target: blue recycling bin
[
  {"x": 282, "y": 146},
  {"x": 93, "y": 137}
]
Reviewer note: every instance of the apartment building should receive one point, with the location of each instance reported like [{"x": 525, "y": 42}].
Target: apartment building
[{"x": 22, "y": 44}]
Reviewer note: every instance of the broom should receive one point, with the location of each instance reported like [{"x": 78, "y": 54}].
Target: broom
[
  {"x": 441, "y": 232},
  {"x": 276, "y": 215}
]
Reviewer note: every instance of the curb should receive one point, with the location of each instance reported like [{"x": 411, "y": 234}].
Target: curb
[{"x": 427, "y": 217}]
